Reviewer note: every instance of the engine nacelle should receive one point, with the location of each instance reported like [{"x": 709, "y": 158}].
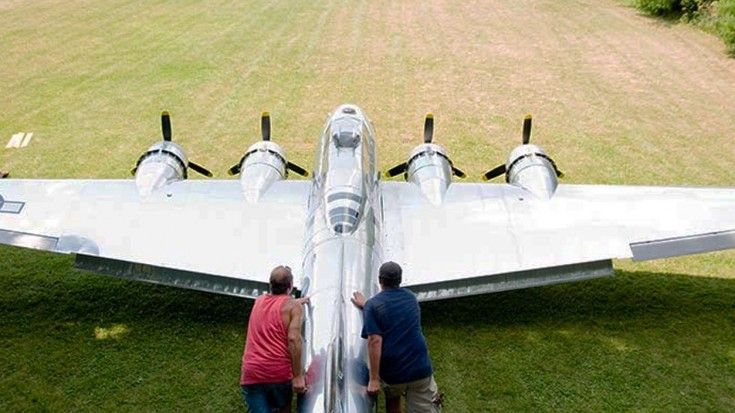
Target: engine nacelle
[
  {"x": 164, "y": 163},
  {"x": 530, "y": 168},
  {"x": 263, "y": 164},
  {"x": 430, "y": 169}
]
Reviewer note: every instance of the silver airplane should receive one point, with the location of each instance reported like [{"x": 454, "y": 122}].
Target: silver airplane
[{"x": 452, "y": 239}]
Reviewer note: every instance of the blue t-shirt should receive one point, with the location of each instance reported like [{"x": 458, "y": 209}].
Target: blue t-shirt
[{"x": 394, "y": 314}]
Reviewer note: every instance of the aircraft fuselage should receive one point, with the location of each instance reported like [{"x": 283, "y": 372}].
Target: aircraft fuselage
[{"x": 341, "y": 255}]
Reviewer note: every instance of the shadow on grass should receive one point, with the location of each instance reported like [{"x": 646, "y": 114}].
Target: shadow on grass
[
  {"x": 628, "y": 295},
  {"x": 34, "y": 291}
]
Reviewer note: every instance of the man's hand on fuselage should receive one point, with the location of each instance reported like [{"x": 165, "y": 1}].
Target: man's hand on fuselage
[{"x": 358, "y": 299}]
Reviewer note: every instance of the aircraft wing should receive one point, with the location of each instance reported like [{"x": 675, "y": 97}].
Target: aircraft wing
[
  {"x": 194, "y": 234},
  {"x": 494, "y": 237}
]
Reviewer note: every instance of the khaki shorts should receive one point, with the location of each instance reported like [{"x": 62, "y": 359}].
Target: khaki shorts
[{"x": 420, "y": 395}]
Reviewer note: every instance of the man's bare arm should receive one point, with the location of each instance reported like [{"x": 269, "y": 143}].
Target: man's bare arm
[
  {"x": 294, "y": 346},
  {"x": 375, "y": 349},
  {"x": 294, "y": 338}
]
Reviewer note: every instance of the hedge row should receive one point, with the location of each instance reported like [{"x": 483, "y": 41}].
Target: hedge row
[{"x": 715, "y": 15}]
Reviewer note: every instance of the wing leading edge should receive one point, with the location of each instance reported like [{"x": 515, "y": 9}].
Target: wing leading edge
[
  {"x": 494, "y": 237},
  {"x": 194, "y": 234}
]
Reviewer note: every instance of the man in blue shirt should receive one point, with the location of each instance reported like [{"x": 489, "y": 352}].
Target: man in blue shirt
[{"x": 397, "y": 349}]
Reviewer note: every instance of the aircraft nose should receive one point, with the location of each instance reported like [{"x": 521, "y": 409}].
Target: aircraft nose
[{"x": 348, "y": 109}]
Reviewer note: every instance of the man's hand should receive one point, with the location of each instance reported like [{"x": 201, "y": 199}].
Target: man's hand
[
  {"x": 302, "y": 300},
  {"x": 358, "y": 299},
  {"x": 299, "y": 384},
  {"x": 373, "y": 387}
]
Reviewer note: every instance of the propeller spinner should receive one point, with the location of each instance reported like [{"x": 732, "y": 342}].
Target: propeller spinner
[
  {"x": 525, "y": 140},
  {"x": 265, "y": 133},
  {"x": 428, "y": 139},
  {"x": 166, "y": 132}
]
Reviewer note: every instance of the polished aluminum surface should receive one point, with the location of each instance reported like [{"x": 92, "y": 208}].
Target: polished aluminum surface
[
  {"x": 199, "y": 226},
  {"x": 341, "y": 256},
  {"x": 672, "y": 247},
  {"x": 429, "y": 169},
  {"x": 486, "y": 229},
  {"x": 164, "y": 163},
  {"x": 263, "y": 164},
  {"x": 530, "y": 169}
]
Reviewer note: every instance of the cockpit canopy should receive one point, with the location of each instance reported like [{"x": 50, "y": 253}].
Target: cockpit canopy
[
  {"x": 347, "y": 139},
  {"x": 346, "y": 132}
]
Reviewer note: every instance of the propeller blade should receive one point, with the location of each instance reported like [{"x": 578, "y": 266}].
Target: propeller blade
[
  {"x": 397, "y": 170},
  {"x": 429, "y": 128},
  {"x": 494, "y": 173},
  {"x": 527, "y": 130},
  {"x": 297, "y": 169},
  {"x": 458, "y": 172},
  {"x": 166, "y": 126},
  {"x": 234, "y": 170},
  {"x": 198, "y": 168},
  {"x": 265, "y": 126}
]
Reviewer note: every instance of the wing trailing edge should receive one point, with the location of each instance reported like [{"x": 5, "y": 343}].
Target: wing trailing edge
[
  {"x": 169, "y": 276},
  {"x": 512, "y": 281},
  {"x": 673, "y": 247}
]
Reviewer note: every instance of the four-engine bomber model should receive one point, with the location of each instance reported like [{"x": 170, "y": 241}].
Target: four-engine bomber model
[{"x": 452, "y": 239}]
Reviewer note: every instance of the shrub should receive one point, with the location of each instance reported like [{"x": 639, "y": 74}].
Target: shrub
[
  {"x": 726, "y": 23},
  {"x": 710, "y": 15},
  {"x": 659, "y": 7},
  {"x": 685, "y": 9}
]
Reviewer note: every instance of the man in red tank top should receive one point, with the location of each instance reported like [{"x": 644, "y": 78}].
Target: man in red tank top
[{"x": 271, "y": 362}]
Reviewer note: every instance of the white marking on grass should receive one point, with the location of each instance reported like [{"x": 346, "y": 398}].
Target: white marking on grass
[
  {"x": 15, "y": 140},
  {"x": 115, "y": 332},
  {"x": 27, "y": 139}
]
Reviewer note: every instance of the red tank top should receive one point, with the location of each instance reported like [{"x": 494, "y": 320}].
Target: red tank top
[{"x": 266, "y": 358}]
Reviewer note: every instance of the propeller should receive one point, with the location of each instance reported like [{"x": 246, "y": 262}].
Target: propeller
[
  {"x": 265, "y": 126},
  {"x": 166, "y": 126},
  {"x": 527, "y": 129},
  {"x": 265, "y": 133},
  {"x": 526, "y": 139},
  {"x": 428, "y": 138},
  {"x": 397, "y": 170},
  {"x": 429, "y": 128},
  {"x": 494, "y": 173},
  {"x": 200, "y": 169},
  {"x": 166, "y": 132}
]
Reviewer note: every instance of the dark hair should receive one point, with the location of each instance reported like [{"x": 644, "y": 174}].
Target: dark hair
[
  {"x": 390, "y": 274},
  {"x": 281, "y": 280}
]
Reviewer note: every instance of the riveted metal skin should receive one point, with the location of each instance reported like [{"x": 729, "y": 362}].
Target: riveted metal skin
[
  {"x": 164, "y": 163},
  {"x": 263, "y": 164},
  {"x": 530, "y": 168}
]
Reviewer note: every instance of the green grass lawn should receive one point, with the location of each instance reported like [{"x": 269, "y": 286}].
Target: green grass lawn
[{"x": 617, "y": 98}]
